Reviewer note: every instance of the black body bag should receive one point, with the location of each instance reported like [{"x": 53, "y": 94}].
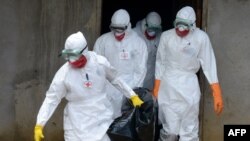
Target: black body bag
[{"x": 136, "y": 124}]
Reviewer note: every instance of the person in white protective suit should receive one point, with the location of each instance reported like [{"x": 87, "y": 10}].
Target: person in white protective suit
[
  {"x": 81, "y": 80},
  {"x": 150, "y": 30},
  {"x": 180, "y": 54},
  {"x": 126, "y": 51}
]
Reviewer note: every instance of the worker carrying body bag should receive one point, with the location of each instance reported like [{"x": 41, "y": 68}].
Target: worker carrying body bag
[{"x": 136, "y": 124}]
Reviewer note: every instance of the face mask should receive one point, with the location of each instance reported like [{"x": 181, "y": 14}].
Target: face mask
[
  {"x": 150, "y": 35},
  {"x": 182, "y": 27},
  {"x": 119, "y": 36},
  {"x": 79, "y": 63},
  {"x": 182, "y": 30},
  {"x": 119, "y": 31}
]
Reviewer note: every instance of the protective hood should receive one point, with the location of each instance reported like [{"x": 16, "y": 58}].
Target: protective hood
[
  {"x": 153, "y": 19},
  {"x": 186, "y": 15},
  {"x": 152, "y": 22},
  {"x": 120, "y": 21},
  {"x": 120, "y": 18},
  {"x": 76, "y": 42}
]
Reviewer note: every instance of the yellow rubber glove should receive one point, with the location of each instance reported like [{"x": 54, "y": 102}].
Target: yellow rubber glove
[
  {"x": 218, "y": 102},
  {"x": 156, "y": 88},
  {"x": 38, "y": 133},
  {"x": 136, "y": 101}
]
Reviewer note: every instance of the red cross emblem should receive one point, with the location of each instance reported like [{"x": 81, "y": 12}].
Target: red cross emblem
[
  {"x": 125, "y": 55},
  {"x": 88, "y": 84}
]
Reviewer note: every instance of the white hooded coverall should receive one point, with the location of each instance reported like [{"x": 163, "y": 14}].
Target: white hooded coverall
[
  {"x": 152, "y": 45},
  {"x": 87, "y": 115},
  {"x": 177, "y": 62},
  {"x": 133, "y": 67}
]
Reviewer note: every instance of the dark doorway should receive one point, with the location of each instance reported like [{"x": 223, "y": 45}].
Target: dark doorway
[{"x": 138, "y": 9}]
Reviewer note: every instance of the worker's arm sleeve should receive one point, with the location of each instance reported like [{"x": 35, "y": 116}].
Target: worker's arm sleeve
[
  {"x": 159, "y": 64},
  {"x": 55, "y": 93},
  {"x": 207, "y": 60},
  {"x": 114, "y": 78},
  {"x": 208, "y": 63}
]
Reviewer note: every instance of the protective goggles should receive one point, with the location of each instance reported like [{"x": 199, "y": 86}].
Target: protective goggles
[
  {"x": 118, "y": 29},
  {"x": 72, "y": 54},
  {"x": 181, "y": 23},
  {"x": 151, "y": 28},
  {"x": 182, "y": 26}
]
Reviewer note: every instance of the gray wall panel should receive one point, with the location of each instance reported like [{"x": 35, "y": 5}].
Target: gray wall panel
[
  {"x": 32, "y": 35},
  {"x": 228, "y": 27}
]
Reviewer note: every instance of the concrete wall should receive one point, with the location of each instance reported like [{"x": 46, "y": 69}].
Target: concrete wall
[
  {"x": 228, "y": 26},
  {"x": 32, "y": 34}
]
